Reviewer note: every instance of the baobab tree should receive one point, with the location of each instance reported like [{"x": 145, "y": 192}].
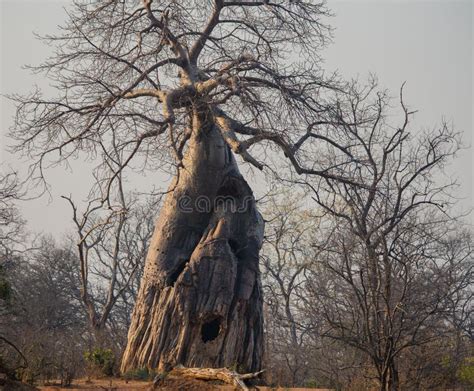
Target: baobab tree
[{"x": 190, "y": 85}]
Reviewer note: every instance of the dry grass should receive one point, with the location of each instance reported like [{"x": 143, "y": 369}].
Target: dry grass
[{"x": 170, "y": 383}]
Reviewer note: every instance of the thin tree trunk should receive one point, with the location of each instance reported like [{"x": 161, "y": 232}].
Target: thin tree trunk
[
  {"x": 394, "y": 382},
  {"x": 384, "y": 379},
  {"x": 200, "y": 301},
  {"x": 390, "y": 380}
]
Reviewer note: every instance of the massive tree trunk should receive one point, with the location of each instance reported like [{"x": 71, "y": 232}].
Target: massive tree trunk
[{"x": 200, "y": 300}]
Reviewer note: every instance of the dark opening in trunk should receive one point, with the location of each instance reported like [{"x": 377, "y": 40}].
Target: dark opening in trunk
[
  {"x": 210, "y": 330},
  {"x": 174, "y": 276}
]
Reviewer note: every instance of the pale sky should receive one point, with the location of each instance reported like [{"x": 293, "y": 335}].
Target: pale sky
[{"x": 428, "y": 44}]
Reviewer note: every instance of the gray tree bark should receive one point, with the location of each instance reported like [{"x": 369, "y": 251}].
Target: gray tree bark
[{"x": 200, "y": 300}]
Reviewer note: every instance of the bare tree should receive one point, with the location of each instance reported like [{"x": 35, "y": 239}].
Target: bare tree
[
  {"x": 395, "y": 271},
  {"x": 11, "y": 222},
  {"x": 44, "y": 319},
  {"x": 111, "y": 247},
  {"x": 297, "y": 352},
  {"x": 318, "y": 332},
  {"x": 188, "y": 84},
  {"x": 285, "y": 258},
  {"x": 11, "y": 239},
  {"x": 134, "y": 242}
]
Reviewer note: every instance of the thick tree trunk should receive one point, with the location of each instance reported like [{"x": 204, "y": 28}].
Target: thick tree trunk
[{"x": 200, "y": 300}]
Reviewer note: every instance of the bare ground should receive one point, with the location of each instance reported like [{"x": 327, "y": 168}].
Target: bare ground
[{"x": 170, "y": 383}]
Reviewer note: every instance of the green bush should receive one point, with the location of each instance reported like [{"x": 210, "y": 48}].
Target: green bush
[
  {"x": 311, "y": 384},
  {"x": 466, "y": 372},
  {"x": 101, "y": 360},
  {"x": 144, "y": 374}
]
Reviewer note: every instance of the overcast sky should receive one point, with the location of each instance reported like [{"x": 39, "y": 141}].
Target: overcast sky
[{"x": 425, "y": 43}]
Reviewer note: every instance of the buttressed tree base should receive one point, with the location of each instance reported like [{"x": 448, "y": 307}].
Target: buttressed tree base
[{"x": 200, "y": 302}]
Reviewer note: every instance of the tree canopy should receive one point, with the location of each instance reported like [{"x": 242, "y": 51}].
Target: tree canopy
[{"x": 129, "y": 77}]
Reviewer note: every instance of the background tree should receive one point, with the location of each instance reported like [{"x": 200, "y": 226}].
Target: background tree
[
  {"x": 111, "y": 246},
  {"x": 45, "y": 318},
  {"x": 11, "y": 222},
  {"x": 389, "y": 273},
  {"x": 188, "y": 84},
  {"x": 11, "y": 235},
  {"x": 297, "y": 350},
  {"x": 290, "y": 334},
  {"x": 396, "y": 271},
  {"x": 306, "y": 292}
]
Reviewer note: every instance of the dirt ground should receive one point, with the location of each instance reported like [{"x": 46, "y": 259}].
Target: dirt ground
[
  {"x": 132, "y": 385},
  {"x": 170, "y": 383}
]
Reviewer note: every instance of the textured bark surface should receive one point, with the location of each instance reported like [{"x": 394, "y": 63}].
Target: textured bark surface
[{"x": 200, "y": 301}]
